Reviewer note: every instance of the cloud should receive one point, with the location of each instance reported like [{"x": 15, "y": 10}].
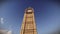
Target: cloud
[
  {"x": 3, "y": 31},
  {"x": 9, "y": 32},
  {"x": 2, "y": 22}
]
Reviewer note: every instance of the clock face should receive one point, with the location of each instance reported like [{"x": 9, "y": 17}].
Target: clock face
[{"x": 29, "y": 10}]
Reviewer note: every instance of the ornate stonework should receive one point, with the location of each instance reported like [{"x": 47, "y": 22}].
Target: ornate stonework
[{"x": 28, "y": 24}]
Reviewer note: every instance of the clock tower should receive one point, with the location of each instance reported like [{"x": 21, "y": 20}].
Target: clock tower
[{"x": 28, "y": 24}]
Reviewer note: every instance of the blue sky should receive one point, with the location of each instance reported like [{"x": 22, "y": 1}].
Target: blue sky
[{"x": 47, "y": 15}]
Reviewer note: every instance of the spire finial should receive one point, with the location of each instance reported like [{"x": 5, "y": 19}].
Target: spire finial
[{"x": 29, "y": 8}]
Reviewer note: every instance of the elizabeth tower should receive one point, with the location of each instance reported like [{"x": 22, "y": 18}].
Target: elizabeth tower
[{"x": 28, "y": 24}]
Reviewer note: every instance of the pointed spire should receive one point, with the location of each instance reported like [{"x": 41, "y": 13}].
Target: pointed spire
[{"x": 29, "y": 9}]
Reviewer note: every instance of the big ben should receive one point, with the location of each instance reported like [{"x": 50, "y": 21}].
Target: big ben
[{"x": 28, "y": 23}]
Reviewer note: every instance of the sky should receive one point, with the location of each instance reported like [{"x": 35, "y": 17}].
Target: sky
[{"x": 47, "y": 15}]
